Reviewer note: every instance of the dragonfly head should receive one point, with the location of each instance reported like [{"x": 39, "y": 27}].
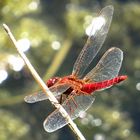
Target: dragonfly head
[{"x": 52, "y": 81}]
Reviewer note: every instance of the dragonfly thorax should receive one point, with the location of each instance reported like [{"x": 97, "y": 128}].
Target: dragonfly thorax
[{"x": 75, "y": 83}]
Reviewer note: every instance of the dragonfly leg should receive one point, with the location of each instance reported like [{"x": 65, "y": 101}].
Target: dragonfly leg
[
  {"x": 72, "y": 108},
  {"x": 74, "y": 101},
  {"x": 60, "y": 100}
]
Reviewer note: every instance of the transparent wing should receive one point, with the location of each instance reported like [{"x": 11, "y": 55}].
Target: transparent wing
[
  {"x": 40, "y": 96},
  {"x": 73, "y": 106},
  {"x": 108, "y": 67},
  {"x": 99, "y": 30}
]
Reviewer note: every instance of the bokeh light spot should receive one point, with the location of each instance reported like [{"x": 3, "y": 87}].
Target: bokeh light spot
[
  {"x": 56, "y": 45},
  {"x": 126, "y": 132},
  {"x": 99, "y": 137},
  {"x": 138, "y": 86},
  {"x": 3, "y": 75},
  {"x": 115, "y": 115},
  {"x": 24, "y": 44},
  {"x": 33, "y": 5},
  {"x": 16, "y": 63}
]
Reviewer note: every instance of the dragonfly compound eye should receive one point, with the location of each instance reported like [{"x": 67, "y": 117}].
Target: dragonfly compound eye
[{"x": 52, "y": 81}]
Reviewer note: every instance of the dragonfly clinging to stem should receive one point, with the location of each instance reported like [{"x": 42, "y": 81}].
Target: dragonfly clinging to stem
[{"x": 75, "y": 92}]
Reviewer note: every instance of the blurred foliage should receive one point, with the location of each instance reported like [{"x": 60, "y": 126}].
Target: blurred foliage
[
  {"x": 12, "y": 127},
  {"x": 54, "y": 31}
]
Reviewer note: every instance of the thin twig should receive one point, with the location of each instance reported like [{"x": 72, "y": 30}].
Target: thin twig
[{"x": 44, "y": 87}]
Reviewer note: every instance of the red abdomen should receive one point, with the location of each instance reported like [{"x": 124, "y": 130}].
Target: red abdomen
[{"x": 91, "y": 87}]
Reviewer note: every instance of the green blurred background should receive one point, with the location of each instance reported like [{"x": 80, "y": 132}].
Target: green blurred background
[{"x": 51, "y": 32}]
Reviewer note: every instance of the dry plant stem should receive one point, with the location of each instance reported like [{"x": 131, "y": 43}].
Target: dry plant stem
[{"x": 44, "y": 87}]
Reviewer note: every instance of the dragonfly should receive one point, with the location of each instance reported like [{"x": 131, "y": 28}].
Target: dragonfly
[{"x": 75, "y": 92}]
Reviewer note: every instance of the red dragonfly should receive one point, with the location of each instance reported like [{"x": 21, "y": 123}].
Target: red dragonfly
[{"x": 75, "y": 92}]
